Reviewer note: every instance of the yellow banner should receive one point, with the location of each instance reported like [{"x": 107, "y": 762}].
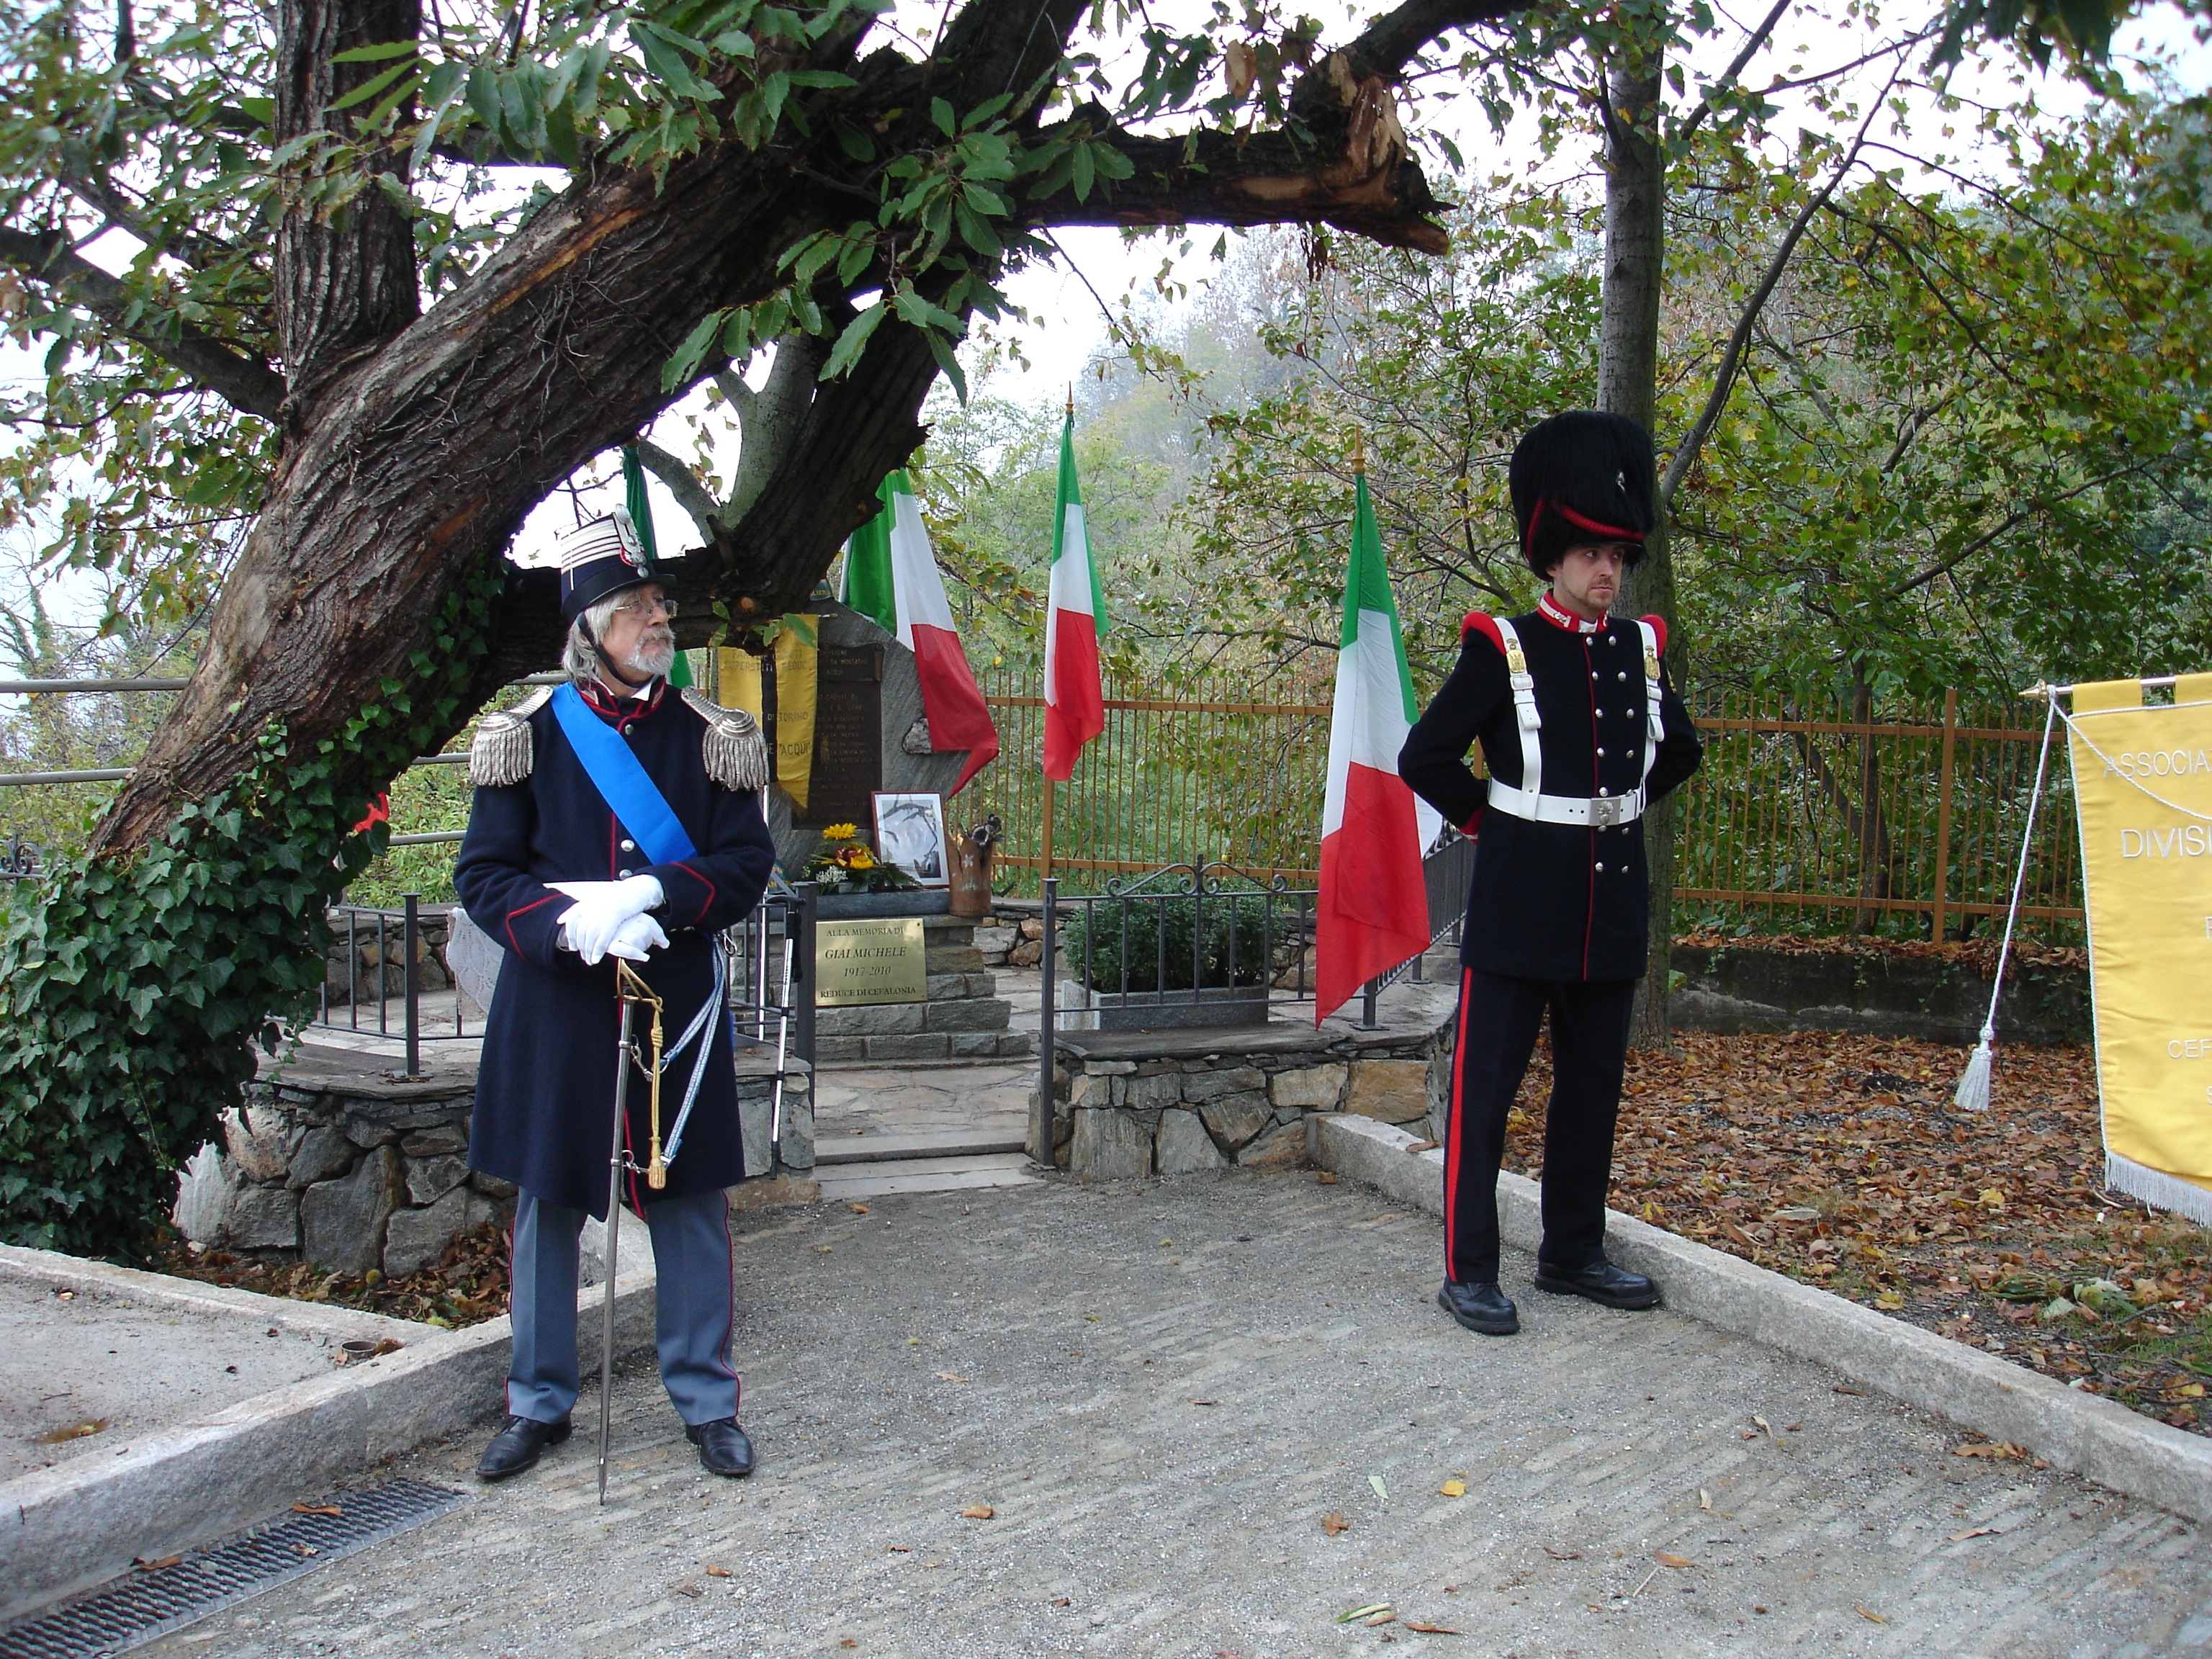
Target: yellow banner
[
  {"x": 2142, "y": 787},
  {"x": 737, "y": 681},
  {"x": 797, "y": 660}
]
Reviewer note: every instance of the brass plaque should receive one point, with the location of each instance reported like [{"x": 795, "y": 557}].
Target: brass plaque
[{"x": 871, "y": 960}]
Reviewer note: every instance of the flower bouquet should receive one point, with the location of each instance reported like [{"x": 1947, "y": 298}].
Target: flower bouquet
[{"x": 844, "y": 864}]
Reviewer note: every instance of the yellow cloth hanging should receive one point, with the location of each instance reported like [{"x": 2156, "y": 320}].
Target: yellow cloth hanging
[{"x": 797, "y": 663}]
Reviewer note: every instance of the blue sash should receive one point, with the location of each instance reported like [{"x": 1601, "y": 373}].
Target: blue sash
[{"x": 621, "y": 782}]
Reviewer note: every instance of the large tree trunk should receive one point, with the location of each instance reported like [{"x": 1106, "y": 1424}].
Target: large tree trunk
[
  {"x": 410, "y": 464},
  {"x": 1627, "y": 375}
]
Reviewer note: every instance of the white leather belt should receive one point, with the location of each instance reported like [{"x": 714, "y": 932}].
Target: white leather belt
[{"x": 1598, "y": 812}]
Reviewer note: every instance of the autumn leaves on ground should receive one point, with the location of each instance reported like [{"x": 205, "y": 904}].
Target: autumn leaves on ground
[{"x": 1839, "y": 1160}]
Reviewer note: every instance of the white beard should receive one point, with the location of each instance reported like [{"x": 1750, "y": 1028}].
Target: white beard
[{"x": 652, "y": 657}]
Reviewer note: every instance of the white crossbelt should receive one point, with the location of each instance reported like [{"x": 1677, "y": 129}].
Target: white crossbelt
[{"x": 1598, "y": 812}]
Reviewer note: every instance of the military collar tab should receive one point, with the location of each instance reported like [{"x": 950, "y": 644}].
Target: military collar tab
[
  {"x": 1556, "y": 614},
  {"x": 604, "y": 702}
]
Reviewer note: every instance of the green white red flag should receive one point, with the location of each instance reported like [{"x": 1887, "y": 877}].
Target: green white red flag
[
  {"x": 1373, "y": 908},
  {"x": 891, "y": 574},
  {"x": 1075, "y": 622}
]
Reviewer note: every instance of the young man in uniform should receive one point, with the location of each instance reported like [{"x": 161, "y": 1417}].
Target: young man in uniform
[
  {"x": 613, "y": 818},
  {"x": 1580, "y": 733}
]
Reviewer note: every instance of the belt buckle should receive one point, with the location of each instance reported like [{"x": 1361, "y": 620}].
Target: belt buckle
[{"x": 1607, "y": 811}]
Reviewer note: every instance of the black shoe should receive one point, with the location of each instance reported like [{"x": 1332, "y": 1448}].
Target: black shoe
[
  {"x": 1602, "y": 1282},
  {"x": 1480, "y": 1307},
  {"x": 518, "y": 1445},
  {"x": 723, "y": 1448}
]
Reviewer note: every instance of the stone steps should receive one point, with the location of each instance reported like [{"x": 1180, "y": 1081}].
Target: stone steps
[
  {"x": 934, "y": 1143},
  {"x": 925, "y": 1175}
]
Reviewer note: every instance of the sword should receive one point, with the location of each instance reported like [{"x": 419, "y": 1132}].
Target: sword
[{"x": 622, "y": 1058}]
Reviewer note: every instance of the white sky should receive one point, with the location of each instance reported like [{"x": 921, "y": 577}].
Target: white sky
[{"x": 1067, "y": 327}]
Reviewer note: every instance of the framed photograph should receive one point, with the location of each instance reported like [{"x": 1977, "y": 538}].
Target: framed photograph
[{"x": 910, "y": 833}]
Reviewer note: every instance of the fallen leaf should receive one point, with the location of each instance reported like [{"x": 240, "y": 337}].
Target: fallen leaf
[
  {"x": 720, "y": 1572},
  {"x": 1333, "y": 1523},
  {"x": 1976, "y": 1532},
  {"x": 1765, "y": 1427},
  {"x": 1563, "y": 1555},
  {"x": 1667, "y": 1560},
  {"x": 307, "y": 1549},
  {"x": 144, "y": 1566},
  {"x": 1424, "y": 1146},
  {"x": 1432, "y": 1630},
  {"x": 1206, "y": 1403},
  {"x": 1989, "y": 1448},
  {"x": 1385, "y": 1617},
  {"x": 1845, "y": 1388},
  {"x": 857, "y": 1209},
  {"x": 1362, "y": 1612},
  {"x": 694, "y": 1591},
  {"x": 1060, "y": 1601},
  {"x": 1796, "y": 1212},
  {"x": 977, "y": 1512},
  {"x": 1325, "y": 1179},
  {"x": 1380, "y": 1491},
  {"x": 899, "y": 1549},
  {"x": 74, "y": 1431},
  {"x": 331, "y": 1509},
  {"x": 1704, "y": 1498},
  {"x": 950, "y": 1376},
  {"x": 1454, "y": 1489},
  {"x": 388, "y": 1345},
  {"x": 1875, "y": 1617},
  {"x": 847, "y": 1642},
  {"x": 824, "y": 1248}
]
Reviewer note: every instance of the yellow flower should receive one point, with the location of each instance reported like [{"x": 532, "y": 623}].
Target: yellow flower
[
  {"x": 861, "y": 860},
  {"x": 841, "y": 832}
]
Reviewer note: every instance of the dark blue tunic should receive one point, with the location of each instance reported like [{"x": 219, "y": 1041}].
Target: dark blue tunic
[
  {"x": 1552, "y": 901},
  {"x": 545, "y": 1089}
]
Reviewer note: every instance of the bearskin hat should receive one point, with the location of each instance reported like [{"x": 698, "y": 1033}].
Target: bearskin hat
[{"x": 1582, "y": 477}]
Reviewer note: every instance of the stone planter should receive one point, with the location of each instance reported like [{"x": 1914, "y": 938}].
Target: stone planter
[
  {"x": 1080, "y": 1009},
  {"x": 842, "y": 906}
]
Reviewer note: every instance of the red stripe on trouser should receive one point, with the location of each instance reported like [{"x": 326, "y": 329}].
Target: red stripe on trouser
[{"x": 1452, "y": 1135}]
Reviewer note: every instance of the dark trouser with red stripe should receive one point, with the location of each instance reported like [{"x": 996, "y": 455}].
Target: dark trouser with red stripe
[{"x": 1498, "y": 1017}]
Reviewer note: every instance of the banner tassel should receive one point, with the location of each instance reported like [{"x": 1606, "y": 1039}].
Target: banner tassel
[{"x": 1973, "y": 1094}]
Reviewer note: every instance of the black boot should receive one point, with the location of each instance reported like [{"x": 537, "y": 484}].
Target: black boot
[
  {"x": 518, "y": 1445},
  {"x": 1602, "y": 1282},
  {"x": 1480, "y": 1307},
  {"x": 723, "y": 1448}
]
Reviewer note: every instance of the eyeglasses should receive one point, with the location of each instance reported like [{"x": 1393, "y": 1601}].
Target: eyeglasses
[{"x": 645, "y": 607}]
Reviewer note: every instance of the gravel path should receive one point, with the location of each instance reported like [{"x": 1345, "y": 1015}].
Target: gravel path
[{"x": 1162, "y": 1392}]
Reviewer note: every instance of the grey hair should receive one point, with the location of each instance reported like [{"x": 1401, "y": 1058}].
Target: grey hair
[{"x": 579, "y": 660}]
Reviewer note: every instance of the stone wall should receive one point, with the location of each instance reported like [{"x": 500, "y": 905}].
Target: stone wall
[
  {"x": 965, "y": 1017},
  {"x": 334, "y": 1163},
  {"x": 1866, "y": 986},
  {"x": 1129, "y": 1104},
  {"x": 377, "y": 967}
]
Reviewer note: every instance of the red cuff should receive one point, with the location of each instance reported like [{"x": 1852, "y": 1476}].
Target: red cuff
[{"x": 1472, "y": 824}]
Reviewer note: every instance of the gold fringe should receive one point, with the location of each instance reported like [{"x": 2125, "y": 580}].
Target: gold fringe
[
  {"x": 732, "y": 748},
  {"x": 502, "y": 751}
]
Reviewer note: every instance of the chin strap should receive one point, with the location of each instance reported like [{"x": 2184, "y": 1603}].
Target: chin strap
[{"x": 612, "y": 667}]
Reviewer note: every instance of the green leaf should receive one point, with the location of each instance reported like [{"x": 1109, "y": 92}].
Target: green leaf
[
  {"x": 374, "y": 54},
  {"x": 680, "y": 367},
  {"x": 371, "y": 86},
  {"x": 847, "y": 348},
  {"x": 941, "y": 112}
]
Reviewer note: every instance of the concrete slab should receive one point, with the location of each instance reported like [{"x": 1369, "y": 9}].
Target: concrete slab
[
  {"x": 211, "y": 1472},
  {"x": 2092, "y": 1437},
  {"x": 1162, "y": 1391},
  {"x": 929, "y": 1175},
  {"x": 941, "y": 1143}
]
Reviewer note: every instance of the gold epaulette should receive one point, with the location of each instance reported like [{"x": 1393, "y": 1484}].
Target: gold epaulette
[
  {"x": 501, "y": 751},
  {"x": 735, "y": 753}
]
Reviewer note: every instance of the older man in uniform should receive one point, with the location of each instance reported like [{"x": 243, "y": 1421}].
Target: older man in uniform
[
  {"x": 613, "y": 818},
  {"x": 1580, "y": 733}
]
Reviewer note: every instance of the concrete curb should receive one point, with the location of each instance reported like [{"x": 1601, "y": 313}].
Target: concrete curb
[
  {"x": 2091, "y": 1436},
  {"x": 83, "y": 1522}
]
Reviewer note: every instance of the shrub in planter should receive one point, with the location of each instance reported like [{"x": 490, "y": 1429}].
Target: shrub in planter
[{"x": 1162, "y": 939}]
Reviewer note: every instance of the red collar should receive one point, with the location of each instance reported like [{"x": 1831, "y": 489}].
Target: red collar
[
  {"x": 604, "y": 703},
  {"x": 1551, "y": 611}
]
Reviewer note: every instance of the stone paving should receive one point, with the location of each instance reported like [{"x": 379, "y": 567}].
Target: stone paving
[
  {"x": 1163, "y": 1392},
  {"x": 990, "y": 1101}
]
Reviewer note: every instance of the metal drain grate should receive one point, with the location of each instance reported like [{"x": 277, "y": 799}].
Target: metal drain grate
[{"x": 136, "y": 1610}]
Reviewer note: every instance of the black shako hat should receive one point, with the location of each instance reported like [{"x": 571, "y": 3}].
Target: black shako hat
[
  {"x": 600, "y": 558},
  {"x": 1582, "y": 477}
]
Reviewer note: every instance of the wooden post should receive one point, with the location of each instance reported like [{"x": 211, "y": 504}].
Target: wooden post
[
  {"x": 1048, "y": 789},
  {"x": 1944, "y": 809}
]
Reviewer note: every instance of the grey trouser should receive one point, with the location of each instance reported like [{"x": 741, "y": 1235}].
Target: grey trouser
[{"x": 694, "y": 1315}]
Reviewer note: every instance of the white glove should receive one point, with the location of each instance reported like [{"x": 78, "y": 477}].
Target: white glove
[
  {"x": 588, "y": 926},
  {"x": 636, "y": 937}
]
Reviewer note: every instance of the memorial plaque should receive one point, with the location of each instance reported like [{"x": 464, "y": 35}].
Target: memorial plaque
[
  {"x": 848, "y": 737},
  {"x": 862, "y": 963}
]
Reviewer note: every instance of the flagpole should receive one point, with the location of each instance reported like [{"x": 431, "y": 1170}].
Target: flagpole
[{"x": 1050, "y": 788}]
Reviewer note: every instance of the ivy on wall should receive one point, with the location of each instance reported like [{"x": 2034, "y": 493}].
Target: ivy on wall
[{"x": 135, "y": 992}]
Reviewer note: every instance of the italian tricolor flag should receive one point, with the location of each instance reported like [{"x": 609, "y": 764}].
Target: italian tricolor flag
[
  {"x": 1074, "y": 620},
  {"x": 1373, "y": 908},
  {"x": 891, "y": 574}
]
